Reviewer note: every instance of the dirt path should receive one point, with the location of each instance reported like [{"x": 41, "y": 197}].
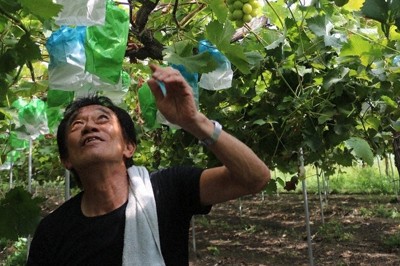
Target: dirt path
[{"x": 271, "y": 231}]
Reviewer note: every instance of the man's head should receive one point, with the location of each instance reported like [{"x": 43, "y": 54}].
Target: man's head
[{"x": 72, "y": 111}]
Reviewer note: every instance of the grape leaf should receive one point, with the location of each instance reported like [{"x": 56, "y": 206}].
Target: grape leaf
[
  {"x": 219, "y": 34},
  {"x": 27, "y": 49},
  {"x": 376, "y": 9},
  {"x": 395, "y": 125},
  {"x": 361, "y": 149},
  {"x": 254, "y": 58},
  {"x": 9, "y": 61},
  {"x": 219, "y": 8},
  {"x": 237, "y": 57},
  {"x": 389, "y": 101},
  {"x": 182, "y": 48},
  {"x": 395, "y": 9},
  {"x": 344, "y": 159},
  {"x": 10, "y": 6},
  {"x": 271, "y": 188},
  {"x": 20, "y": 214},
  {"x": 335, "y": 76},
  {"x": 200, "y": 63},
  {"x": 280, "y": 181},
  {"x": 365, "y": 50},
  {"x": 45, "y": 9},
  {"x": 317, "y": 25}
]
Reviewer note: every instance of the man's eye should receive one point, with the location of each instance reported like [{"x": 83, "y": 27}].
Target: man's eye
[
  {"x": 102, "y": 117},
  {"x": 76, "y": 123}
]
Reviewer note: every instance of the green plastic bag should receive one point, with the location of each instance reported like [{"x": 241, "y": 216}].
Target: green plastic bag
[
  {"x": 56, "y": 98},
  {"x": 19, "y": 103},
  {"x": 54, "y": 116},
  {"x": 148, "y": 106},
  {"x": 16, "y": 143},
  {"x": 105, "y": 45},
  {"x": 33, "y": 119},
  {"x": 13, "y": 156}
]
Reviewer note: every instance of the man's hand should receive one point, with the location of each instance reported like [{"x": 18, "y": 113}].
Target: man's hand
[
  {"x": 242, "y": 172},
  {"x": 177, "y": 105}
]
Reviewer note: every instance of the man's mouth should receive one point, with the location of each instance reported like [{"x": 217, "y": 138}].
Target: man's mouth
[{"x": 90, "y": 139}]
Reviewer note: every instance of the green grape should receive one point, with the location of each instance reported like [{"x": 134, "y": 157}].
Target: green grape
[
  {"x": 242, "y": 11},
  {"x": 247, "y": 8},
  {"x": 247, "y": 18},
  {"x": 254, "y": 13},
  {"x": 256, "y": 8},
  {"x": 254, "y": 3},
  {"x": 238, "y": 4},
  {"x": 221, "y": 5},
  {"x": 237, "y": 14},
  {"x": 239, "y": 23}
]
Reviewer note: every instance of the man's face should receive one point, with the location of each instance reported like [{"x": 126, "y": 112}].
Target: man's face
[{"x": 94, "y": 136}]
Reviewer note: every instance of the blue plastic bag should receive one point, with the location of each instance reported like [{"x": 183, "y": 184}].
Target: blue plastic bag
[
  {"x": 220, "y": 78},
  {"x": 67, "y": 58}
]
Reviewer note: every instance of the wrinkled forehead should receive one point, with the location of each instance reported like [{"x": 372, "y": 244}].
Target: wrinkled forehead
[{"x": 91, "y": 110}]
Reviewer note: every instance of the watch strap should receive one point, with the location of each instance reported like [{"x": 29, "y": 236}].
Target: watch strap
[{"x": 214, "y": 136}]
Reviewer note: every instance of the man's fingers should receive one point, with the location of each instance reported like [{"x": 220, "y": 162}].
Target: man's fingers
[
  {"x": 166, "y": 79},
  {"x": 153, "y": 67},
  {"x": 155, "y": 89}
]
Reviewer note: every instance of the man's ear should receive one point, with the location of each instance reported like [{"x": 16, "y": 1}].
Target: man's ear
[{"x": 129, "y": 150}]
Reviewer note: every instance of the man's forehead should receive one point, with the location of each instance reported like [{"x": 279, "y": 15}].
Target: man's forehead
[
  {"x": 88, "y": 109},
  {"x": 95, "y": 107}
]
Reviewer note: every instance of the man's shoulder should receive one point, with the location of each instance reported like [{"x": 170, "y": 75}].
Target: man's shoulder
[{"x": 68, "y": 208}]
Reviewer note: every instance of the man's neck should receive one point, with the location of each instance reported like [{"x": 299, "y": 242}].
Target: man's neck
[{"x": 105, "y": 190}]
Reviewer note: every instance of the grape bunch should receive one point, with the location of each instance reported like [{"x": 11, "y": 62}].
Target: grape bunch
[{"x": 243, "y": 11}]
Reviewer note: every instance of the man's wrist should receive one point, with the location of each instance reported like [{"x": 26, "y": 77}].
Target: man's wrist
[{"x": 214, "y": 136}]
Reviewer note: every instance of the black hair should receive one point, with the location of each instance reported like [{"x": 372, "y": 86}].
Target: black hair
[{"x": 124, "y": 119}]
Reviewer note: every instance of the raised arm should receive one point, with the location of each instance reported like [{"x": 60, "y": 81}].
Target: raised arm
[{"x": 242, "y": 172}]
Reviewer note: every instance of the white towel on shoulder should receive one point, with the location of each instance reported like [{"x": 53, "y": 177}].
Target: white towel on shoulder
[{"x": 141, "y": 239}]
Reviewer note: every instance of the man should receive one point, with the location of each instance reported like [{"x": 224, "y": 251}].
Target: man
[{"x": 123, "y": 216}]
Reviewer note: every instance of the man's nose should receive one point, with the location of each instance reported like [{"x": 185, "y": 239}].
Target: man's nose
[{"x": 90, "y": 126}]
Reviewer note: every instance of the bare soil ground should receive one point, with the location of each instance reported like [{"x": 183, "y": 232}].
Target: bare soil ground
[{"x": 272, "y": 231}]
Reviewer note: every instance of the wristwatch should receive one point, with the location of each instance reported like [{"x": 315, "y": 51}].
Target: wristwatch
[{"x": 214, "y": 136}]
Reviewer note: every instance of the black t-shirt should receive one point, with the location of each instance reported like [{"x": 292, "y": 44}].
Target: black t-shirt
[{"x": 67, "y": 237}]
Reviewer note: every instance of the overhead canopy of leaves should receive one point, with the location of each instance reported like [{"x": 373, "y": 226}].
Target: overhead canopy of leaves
[{"x": 317, "y": 77}]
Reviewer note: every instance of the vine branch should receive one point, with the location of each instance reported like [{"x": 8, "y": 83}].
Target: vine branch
[
  {"x": 151, "y": 48},
  {"x": 16, "y": 20},
  {"x": 176, "y": 4}
]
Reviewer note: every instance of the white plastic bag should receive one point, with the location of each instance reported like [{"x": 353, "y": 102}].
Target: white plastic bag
[
  {"x": 81, "y": 12},
  {"x": 220, "y": 78},
  {"x": 67, "y": 59}
]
